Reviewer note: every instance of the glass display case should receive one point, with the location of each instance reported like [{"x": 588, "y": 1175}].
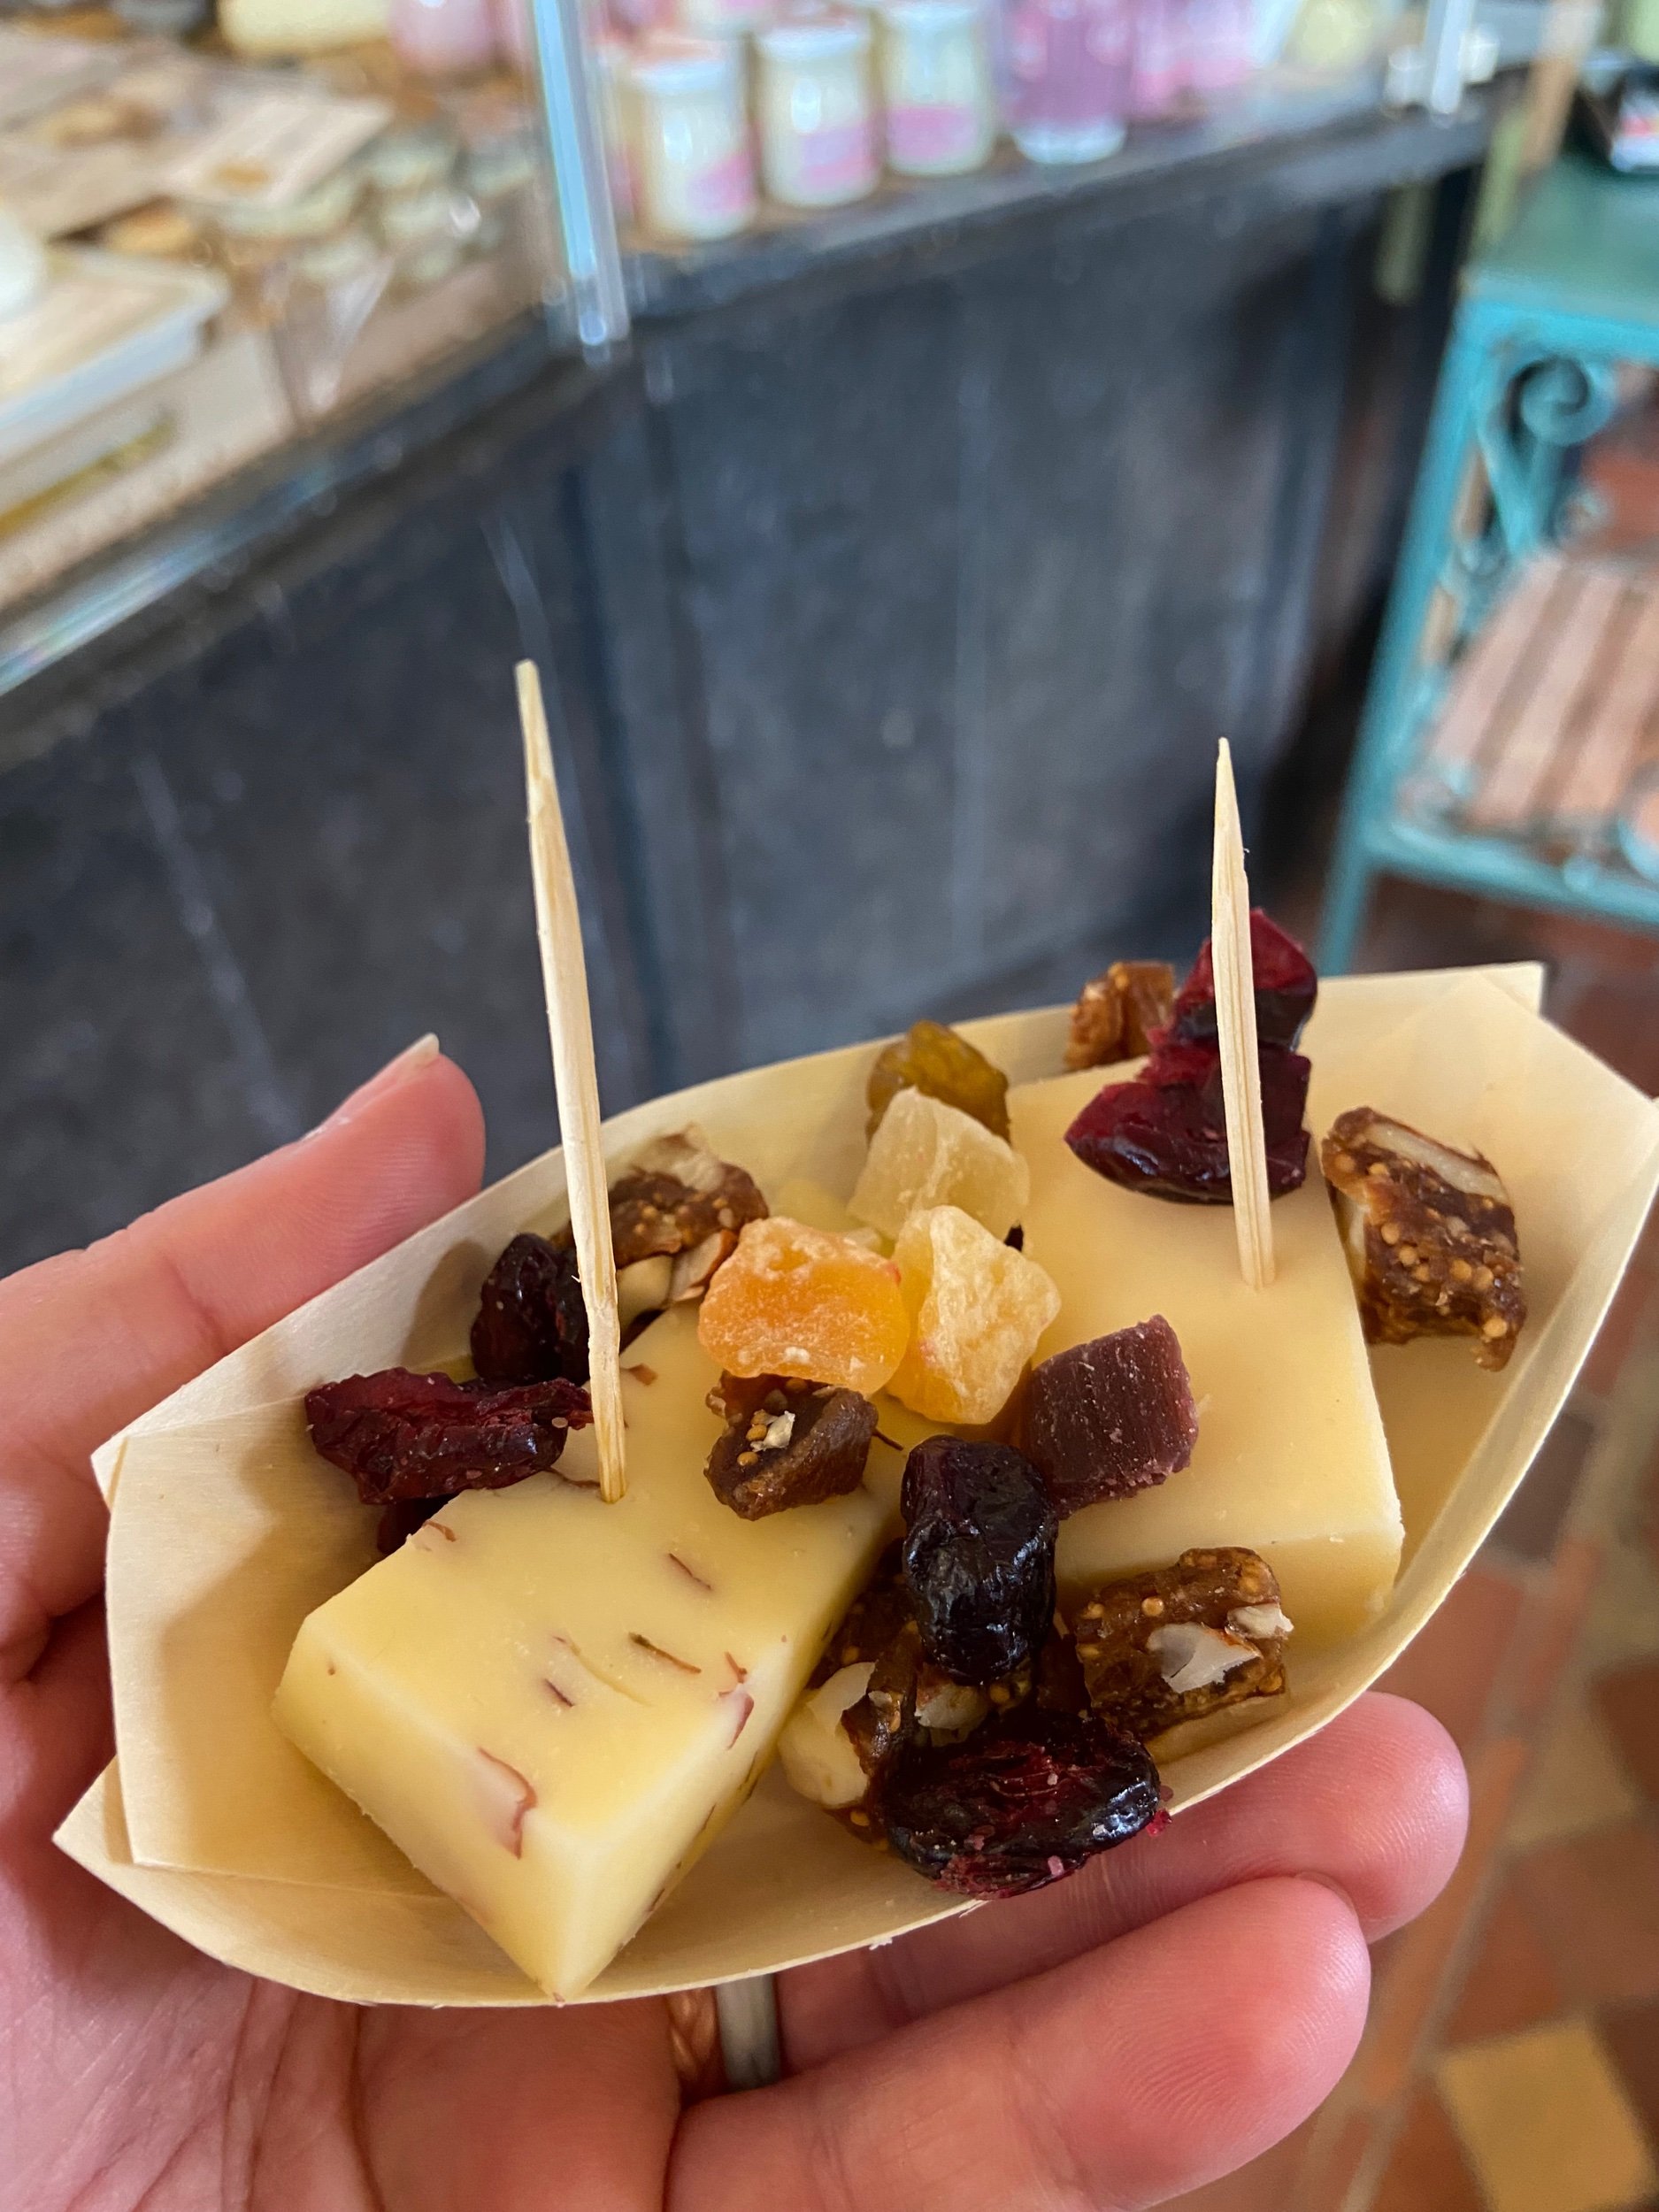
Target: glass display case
[{"x": 237, "y": 249}]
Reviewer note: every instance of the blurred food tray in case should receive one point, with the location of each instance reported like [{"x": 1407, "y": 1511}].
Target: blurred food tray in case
[{"x": 105, "y": 324}]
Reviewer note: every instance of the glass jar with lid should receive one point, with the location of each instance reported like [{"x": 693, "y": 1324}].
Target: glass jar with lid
[
  {"x": 695, "y": 168},
  {"x": 818, "y": 125},
  {"x": 1068, "y": 68},
  {"x": 936, "y": 86}
]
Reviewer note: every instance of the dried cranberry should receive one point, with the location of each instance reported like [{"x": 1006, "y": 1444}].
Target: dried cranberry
[
  {"x": 400, "y": 1520},
  {"x": 1021, "y": 1801},
  {"x": 979, "y": 1556},
  {"x": 787, "y": 1443},
  {"x": 401, "y": 1435},
  {"x": 532, "y": 1325},
  {"x": 1166, "y": 1132},
  {"x": 1285, "y": 988}
]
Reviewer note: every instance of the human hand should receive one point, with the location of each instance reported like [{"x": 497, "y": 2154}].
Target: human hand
[{"x": 1109, "y": 2042}]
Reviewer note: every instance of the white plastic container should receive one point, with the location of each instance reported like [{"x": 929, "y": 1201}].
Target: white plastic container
[
  {"x": 696, "y": 167},
  {"x": 936, "y": 86},
  {"x": 816, "y": 109}
]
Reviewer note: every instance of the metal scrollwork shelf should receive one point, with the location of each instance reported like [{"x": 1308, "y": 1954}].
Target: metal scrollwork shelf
[{"x": 1507, "y": 735}]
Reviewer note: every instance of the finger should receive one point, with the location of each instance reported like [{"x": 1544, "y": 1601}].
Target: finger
[
  {"x": 1117, "y": 2080},
  {"x": 89, "y": 1339},
  {"x": 1376, "y": 1805}
]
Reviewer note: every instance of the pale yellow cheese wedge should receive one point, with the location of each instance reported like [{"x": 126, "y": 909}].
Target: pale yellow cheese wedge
[
  {"x": 1291, "y": 1459},
  {"x": 550, "y": 1704}
]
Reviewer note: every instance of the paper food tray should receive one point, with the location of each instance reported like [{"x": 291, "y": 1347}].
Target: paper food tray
[{"x": 226, "y": 1530}]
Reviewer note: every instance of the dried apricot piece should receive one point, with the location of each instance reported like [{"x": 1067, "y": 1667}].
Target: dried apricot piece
[
  {"x": 794, "y": 1300},
  {"x": 931, "y": 1058},
  {"x": 977, "y": 1307},
  {"x": 927, "y": 1154}
]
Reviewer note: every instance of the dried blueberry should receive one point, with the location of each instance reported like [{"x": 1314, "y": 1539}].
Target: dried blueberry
[
  {"x": 1021, "y": 1801},
  {"x": 1166, "y": 1132},
  {"x": 401, "y": 1435},
  {"x": 979, "y": 1556},
  {"x": 787, "y": 1443},
  {"x": 1285, "y": 988},
  {"x": 532, "y": 1325}
]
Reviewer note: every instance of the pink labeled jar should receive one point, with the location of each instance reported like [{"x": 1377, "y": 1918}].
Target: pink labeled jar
[
  {"x": 936, "y": 86},
  {"x": 1067, "y": 76},
  {"x": 693, "y": 166},
  {"x": 817, "y": 111}
]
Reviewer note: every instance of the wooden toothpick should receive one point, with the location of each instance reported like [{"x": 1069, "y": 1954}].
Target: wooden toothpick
[
  {"x": 570, "y": 1026},
  {"x": 1235, "y": 1030}
]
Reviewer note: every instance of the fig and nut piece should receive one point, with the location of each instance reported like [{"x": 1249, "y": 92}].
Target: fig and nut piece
[
  {"x": 1058, "y": 1682},
  {"x": 1430, "y": 1233},
  {"x": 871, "y": 1623},
  {"x": 1285, "y": 988},
  {"x": 401, "y": 1435},
  {"x": 678, "y": 1200},
  {"x": 1166, "y": 1132},
  {"x": 1183, "y": 1640},
  {"x": 903, "y": 1690},
  {"x": 818, "y": 1754},
  {"x": 787, "y": 1443},
  {"x": 1117, "y": 1012},
  {"x": 931, "y": 1058},
  {"x": 1024, "y": 1800},
  {"x": 979, "y": 1556},
  {"x": 532, "y": 1324},
  {"x": 1109, "y": 1417}
]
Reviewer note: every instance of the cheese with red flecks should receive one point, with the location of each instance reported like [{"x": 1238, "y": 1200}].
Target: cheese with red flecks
[
  {"x": 552, "y": 1705},
  {"x": 1291, "y": 1460}
]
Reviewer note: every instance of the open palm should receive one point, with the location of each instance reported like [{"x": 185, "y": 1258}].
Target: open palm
[{"x": 1109, "y": 2043}]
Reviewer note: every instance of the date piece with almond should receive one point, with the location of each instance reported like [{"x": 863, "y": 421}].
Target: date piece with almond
[
  {"x": 1183, "y": 1640},
  {"x": 787, "y": 1443},
  {"x": 1430, "y": 1233},
  {"x": 1118, "y": 1012},
  {"x": 680, "y": 1201}
]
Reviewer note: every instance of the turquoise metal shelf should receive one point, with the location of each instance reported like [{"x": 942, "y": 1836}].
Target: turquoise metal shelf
[{"x": 1546, "y": 320}]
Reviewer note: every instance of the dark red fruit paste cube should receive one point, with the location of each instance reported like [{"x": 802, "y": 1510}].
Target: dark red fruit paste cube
[{"x": 1111, "y": 1417}]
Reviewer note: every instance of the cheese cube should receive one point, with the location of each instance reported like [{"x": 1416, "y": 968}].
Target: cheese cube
[
  {"x": 551, "y": 1704},
  {"x": 1291, "y": 1460}
]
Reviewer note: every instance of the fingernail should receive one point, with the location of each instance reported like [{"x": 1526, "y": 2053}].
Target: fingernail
[{"x": 409, "y": 1062}]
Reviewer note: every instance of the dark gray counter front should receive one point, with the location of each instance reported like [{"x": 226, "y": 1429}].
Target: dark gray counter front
[{"x": 892, "y": 604}]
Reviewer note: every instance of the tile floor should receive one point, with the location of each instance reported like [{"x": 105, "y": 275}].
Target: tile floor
[{"x": 1511, "y": 2061}]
